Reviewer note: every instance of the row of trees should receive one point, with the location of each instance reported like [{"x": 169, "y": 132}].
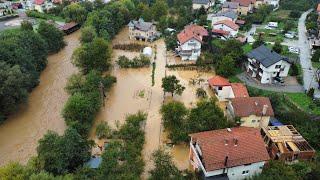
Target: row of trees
[
  {"x": 23, "y": 55},
  {"x": 180, "y": 121}
]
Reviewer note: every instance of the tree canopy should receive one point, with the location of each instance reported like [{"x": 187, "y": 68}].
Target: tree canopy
[
  {"x": 52, "y": 35},
  {"x": 171, "y": 84}
]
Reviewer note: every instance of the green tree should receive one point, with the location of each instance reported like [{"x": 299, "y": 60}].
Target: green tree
[
  {"x": 164, "y": 167},
  {"x": 174, "y": 116},
  {"x": 88, "y": 34},
  {"x": 52, "y": 36},
  {"x": 226, "y": 67},
  {"x": 171, "y": 84},
  {"x": 258, "y": 42},
  {"x": 277, "y": 47},
  {"x": 206, "y": 116},
  {"x": 277, "y": 170},
  {"x": 201, "y": 93},
  {"x": 103, "y": 130},
  {"x": 62, "y": 154},
  {"x": 159, "y": 9},
  {"x": 13, "y": 171},
  {"x": 26, "y": 25},
  {"x": 75, "y": 12},
  {"x": 93, "y": 56},
  {"x": 316, "y": 56}
]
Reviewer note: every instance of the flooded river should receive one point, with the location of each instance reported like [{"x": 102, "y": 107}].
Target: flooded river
[{"x": 20, "y": 133}]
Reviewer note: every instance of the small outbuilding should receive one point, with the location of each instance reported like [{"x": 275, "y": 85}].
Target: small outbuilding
[{"x": 147, "y": 51}]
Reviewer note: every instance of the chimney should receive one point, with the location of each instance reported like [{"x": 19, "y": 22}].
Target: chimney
[
  {"x": 235, "y": 141},
  {"x": 264, "y": 110},
  {"x": 226, "y": 161}
]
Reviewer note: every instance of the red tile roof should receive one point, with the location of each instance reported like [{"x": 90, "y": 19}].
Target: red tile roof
[
  {"x": 239, "y": 90},
  {"x": 318, "y": 8},
  {"x": 247, "y": 106},
  {"x": 216, "y": 145},
  {"x": 38, "y": 2},
  {"x": 241, "y": 22},
  {"x": 244, "y": 2},
  {"x": 228, "y": 23},
  {"x": 218, "y": 81},
  {"x": 220, "y": 31},
  {"x": 192, "y": 31}
]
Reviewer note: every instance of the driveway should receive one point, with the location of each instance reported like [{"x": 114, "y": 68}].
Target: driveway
[
  {"x": 270, "y": 87},
  {"x": 253, "y": 29},
  {"x": 309, "y": 77}
]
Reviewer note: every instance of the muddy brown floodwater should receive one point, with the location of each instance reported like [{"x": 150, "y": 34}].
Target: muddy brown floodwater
[{"x": 20, "y": 133}]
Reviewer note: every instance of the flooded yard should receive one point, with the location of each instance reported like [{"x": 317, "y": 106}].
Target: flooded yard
[{"x": 20, "y": 133}]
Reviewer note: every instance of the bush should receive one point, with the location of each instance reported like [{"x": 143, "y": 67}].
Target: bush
[
  {"x": 295, "y": 14},
  {"x": 316, "y": 56},
  {"x": 52, "y": 35},
  {"x": 103, "y": 130},
  {"x": 130, "y": 47},
  {"x": 141, "y": 61}
]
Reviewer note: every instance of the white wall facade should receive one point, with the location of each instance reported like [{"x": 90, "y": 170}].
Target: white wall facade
[
  {"x": 190, "y": 50},
  {"x": 233, "y": 32},
  {"x": 224, "y": 93},
  {"x": 272, "y": 71},
  {"x": 234, "y": 173},
  {"x": 146, "y": 34}
]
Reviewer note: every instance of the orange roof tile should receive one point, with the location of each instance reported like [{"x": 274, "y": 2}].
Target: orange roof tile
[
  {"x": 192, "y": 31},
  {"x": 241, "y": 145},
  {"x": 228, "y": 23},
  {"x": 244, "y": 2},
  {"x": 220, "y": 31},
  {"x": 239, "y": 90},
  {"x": 246, "y": 106},
  {"x": 218, "y": 81}
]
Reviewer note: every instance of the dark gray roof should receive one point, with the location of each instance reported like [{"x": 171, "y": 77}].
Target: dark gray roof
[
  {"x": 231, "y": 5},
  {"x": 141, "y": 25},
  {"x": 229, "y": 13},
  {"x": 266, "y": 56},
  {"x": 201, "y": 1}
]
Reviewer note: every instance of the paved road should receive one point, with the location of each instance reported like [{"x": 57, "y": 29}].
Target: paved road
[
  {"x": 270, "y": 87},
  {"x": 305, "y": 57},
  {"x": 251, "y": 31}
]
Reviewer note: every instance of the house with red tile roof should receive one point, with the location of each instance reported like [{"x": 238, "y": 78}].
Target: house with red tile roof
[
  {"x": 224, "y": 90},
  {"x": 227, "y": 25},
  {"x": 245, "y": 6},
  {"x": 42, "y": 5},
  {"x": 190, "y": 41},
  {"x": 252, "y": 111},
  {"x": 233, "y": 153},
  {"x": 318, "y": 8}
]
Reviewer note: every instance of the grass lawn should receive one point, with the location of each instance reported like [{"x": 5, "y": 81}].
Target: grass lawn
[
  {"x": 304, "y": 102},
  {"x": 269, "y": 35}
]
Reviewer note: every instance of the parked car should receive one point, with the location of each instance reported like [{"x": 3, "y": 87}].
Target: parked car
[
  {"x": 289, "y": 35},
  {"x": 268, "y": 27},
  {"x": 294, "y": 50}
]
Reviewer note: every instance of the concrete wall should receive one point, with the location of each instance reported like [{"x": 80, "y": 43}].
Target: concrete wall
[{"x": 255, "y": 121}]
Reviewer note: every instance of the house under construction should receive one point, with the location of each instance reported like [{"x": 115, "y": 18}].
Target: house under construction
[{"x": 286, "y": 143}]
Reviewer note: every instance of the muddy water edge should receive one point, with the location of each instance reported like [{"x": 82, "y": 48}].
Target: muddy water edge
[{"x": 20, "y": 133}]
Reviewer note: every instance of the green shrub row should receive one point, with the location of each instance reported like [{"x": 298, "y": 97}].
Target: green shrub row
[{"x": 141, "y": 61}]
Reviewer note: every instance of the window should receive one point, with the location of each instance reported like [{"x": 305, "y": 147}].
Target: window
[
  {"x": 253, "y": 121},
  {"x": 220, "y": 88},
  {"x": 278, "y": 66},
  {"x": 245, "y": 172}
]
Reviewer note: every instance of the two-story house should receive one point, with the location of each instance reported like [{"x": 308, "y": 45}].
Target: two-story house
[
  {"x": 230, "y": 6},
  {"x": 196, "y": 4},
  {"x": 252, "y": 111},
  {"x": 266, "y": 65},
  {"x": 42, "y": 5},
  {"x": 189, "y": 42},
  {"x": 245, "y": 6},
  {"x": 222, "y": 15},
  {"x": 141, "y": 30},
  {"x": 224, "y": 90},
  {"x": 233, "y": 153},
  {"x": 227, "y": 26},
  {"x": 285, "y": 143}
]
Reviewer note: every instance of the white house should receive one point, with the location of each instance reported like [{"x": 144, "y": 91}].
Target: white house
[
  {"x": 228, "y": 26},
  {"x": 266, "y": 65},
  {"x": 222, "y": 15},
  {"x": 274, "y": 3},
  {"x": 189, "y": 42},
  {"x": 224, "y": 90},
  {"x": 141, "y": 30},
  {"x": 252, "y": 111},
  {"x": 235, "y": 154},
  {"x": 196, "y": 4}
]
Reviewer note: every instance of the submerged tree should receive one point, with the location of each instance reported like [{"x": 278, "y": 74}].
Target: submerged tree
[{"x": 171, "y": 84}]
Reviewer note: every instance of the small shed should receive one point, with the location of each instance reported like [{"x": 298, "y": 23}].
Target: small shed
[{"x": 147, "y": 51}]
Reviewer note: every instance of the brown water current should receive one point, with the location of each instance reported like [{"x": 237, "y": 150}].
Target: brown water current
[{"x": 20, "y": 133}]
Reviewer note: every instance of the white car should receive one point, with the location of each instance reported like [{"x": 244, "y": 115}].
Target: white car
[
  {"x": 294, "y": 50},
  {"x": 289, "y": 35},
  {"x": 268, "y": 27}
]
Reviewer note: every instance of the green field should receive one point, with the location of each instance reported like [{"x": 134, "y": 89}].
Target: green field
[{"x": 304, "y": 102}]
